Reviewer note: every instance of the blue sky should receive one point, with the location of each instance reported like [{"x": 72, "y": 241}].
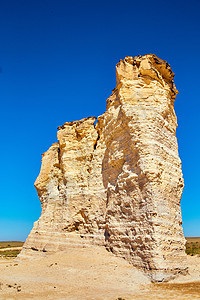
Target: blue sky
[{"x": 57, "y": 62}]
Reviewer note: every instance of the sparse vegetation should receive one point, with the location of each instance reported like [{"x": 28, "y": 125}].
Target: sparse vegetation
[
  {"x": 193, "y": 245},
  {"x": 10, "y": 253},
  {"x": 9, "y": 244},
  {"x": 7, "y": 249}
]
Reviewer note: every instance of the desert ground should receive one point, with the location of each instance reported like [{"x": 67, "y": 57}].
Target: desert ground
[{"x": 87, "y": 273}]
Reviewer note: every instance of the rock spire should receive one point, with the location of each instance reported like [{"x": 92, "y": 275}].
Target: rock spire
[{"x": 119, "y": 183}]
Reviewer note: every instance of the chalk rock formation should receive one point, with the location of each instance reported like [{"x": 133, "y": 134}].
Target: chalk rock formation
[{"x": 119, "y": 183}]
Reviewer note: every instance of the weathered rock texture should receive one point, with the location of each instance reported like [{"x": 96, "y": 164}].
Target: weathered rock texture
[{"x": 119, "y": 183}]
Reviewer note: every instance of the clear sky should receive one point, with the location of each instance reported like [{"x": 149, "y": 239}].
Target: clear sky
[{"x": 57, "y": 60}]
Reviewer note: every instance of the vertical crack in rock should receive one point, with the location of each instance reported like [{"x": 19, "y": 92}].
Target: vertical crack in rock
[{"x": 118, "y": 183}]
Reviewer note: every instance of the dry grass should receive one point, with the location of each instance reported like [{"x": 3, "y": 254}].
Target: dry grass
[
  {"x": 9, "y": 253},
  {"x": 11, "y": 244},
  {"x": 12, "y": 252},
  {"x": 193, "y": 245}
]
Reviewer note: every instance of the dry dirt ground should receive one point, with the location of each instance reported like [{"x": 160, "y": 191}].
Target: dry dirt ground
[{"x": 89, "y": 273}]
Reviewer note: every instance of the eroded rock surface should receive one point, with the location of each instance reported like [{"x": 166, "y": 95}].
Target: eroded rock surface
[{"x": 119, "y": 183}]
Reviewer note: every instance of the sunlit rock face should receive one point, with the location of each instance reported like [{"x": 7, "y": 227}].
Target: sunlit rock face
[{"x": 118, "y": 183}]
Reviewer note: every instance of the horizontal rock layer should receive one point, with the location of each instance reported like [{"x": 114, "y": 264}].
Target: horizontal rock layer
[{"x": 119, "y": 183}]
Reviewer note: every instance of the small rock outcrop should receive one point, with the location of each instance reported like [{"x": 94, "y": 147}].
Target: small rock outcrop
[{"x": 118, "y": 183}]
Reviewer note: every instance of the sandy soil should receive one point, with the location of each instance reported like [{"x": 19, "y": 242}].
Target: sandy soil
[{"x": 89, "y": 273}]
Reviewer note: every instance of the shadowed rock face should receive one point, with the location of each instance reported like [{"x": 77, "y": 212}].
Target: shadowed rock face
[{"x": 119, "y": 183}]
